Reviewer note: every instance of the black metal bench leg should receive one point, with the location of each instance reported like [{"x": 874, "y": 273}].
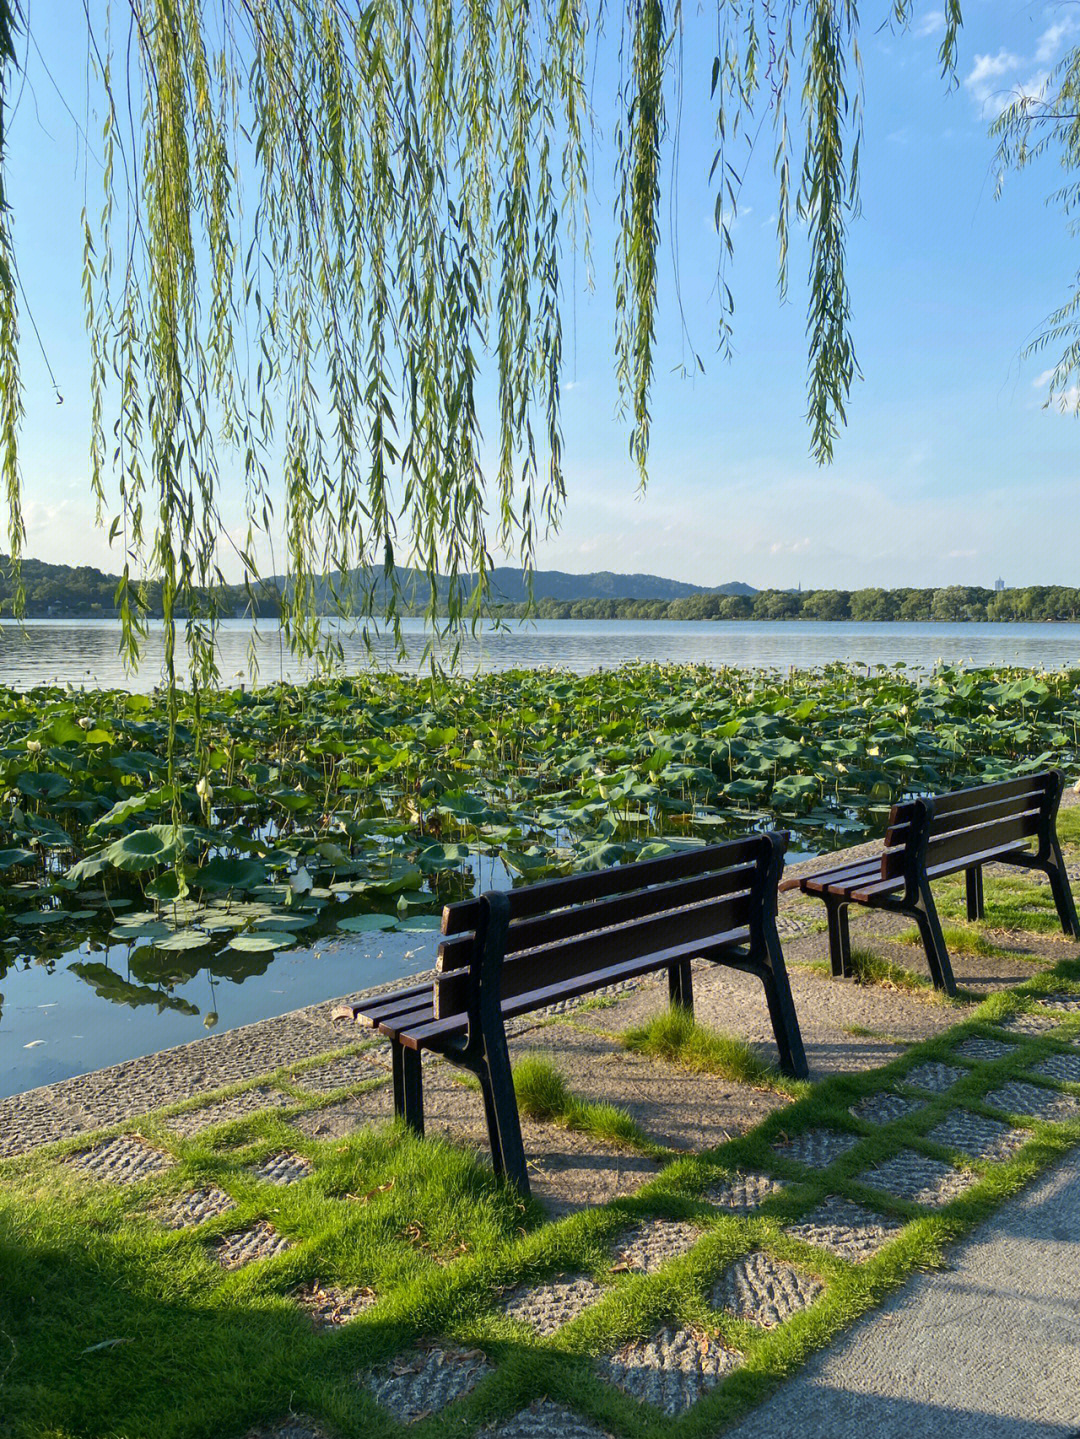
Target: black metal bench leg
[
  {"x": 408, "y": 1086},
  {"x": 785, "y": 1021},
  {"x": 973, "y": 879},
  {"x": 1062, "y": 890},
  {"x": 839, "y": 937},
  {"x": 500, "y": 1105},
  {"x": 681, "y": 985},
  {"x": 925, "y": 914}
]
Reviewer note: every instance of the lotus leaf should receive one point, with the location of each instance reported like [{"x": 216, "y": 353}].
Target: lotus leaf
[{"x": 366, "y": 923}]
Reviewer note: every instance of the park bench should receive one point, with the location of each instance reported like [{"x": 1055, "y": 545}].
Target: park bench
[
  {"x": 506, "y": 954},
  {"x": 1012, "y": 822}
]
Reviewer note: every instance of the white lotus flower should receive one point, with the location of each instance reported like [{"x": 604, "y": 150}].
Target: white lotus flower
[
  {"x": 204, "y": 790},
  {"x": 33, "y": 746}
]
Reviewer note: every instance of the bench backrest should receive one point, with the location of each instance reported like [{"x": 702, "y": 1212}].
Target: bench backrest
[
  {"x": 970, "y": 821},
  {"x": 561, "y": 929}
]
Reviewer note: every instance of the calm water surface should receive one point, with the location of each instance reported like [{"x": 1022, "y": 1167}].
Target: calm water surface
[
  {"x": 54, "y": 1025},
  {"x": 86, "y": 652}
]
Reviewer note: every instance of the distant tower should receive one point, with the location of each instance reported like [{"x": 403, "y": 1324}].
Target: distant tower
[{"x": 999, "y": 585}]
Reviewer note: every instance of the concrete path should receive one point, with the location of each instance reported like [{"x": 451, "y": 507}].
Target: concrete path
[{"x": 988, "y": 1350}]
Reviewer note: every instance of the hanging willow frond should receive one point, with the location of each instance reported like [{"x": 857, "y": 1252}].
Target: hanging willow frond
[{"x": 332, "y": 237}]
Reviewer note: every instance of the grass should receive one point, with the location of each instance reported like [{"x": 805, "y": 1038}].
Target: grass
[
  {"x": 679, "y": 1038},
  {"x": 1010, "y": 903},
  {"x": 543, "y": 1095},
  {"x": 870, "y": 968},
  {"x": 959, "y": 940}
]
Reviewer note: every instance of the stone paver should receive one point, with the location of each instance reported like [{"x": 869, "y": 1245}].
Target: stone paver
[
  {"x": 285, "y": 1167},
  {"x": 764, "y": 1291},
  {"x": 845, "y": 1229},
  {"x": 743, "y": 1193},
  {"x": 297, "y": 1426},
  {"x": 124, "y": 1159},
  {"x": 978, "y": 1136},
  {"x": 672, "y": 1370},
  {"x": 647, "y": 1247},
  {"x": 225, "y": 1111},
  {"x": 185, "y": 1211},
  {"x": 544, "y": 1420},
  {"x": 1064, "y": 999},
  {"x": 425, "y": 1380},
  {"x": 345, "y": 1117},
  {"x": 932, "y": 1077},
  {"x": 914, "y": 1176},
  {"x": 261, "y": 1241},
  {"x": 331, "y": 1305},
  {"x": 1025, "y": 1022},
  {"x": 978, "y": 1048},
  {"x": 1063, "y": 1067},
  {"x": 340, "y": 1073},
  {"x": 884, "y": 1107},
  {"x": 1034, "y": 1102},
  {"x": 816, "y": 1148},
  {"x": 547, "y": 1307}
]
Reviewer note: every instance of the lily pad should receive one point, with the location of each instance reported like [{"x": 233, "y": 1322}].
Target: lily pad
[
  {"x": 261, "y": 943},
  {"x": 367, "y": 923}
]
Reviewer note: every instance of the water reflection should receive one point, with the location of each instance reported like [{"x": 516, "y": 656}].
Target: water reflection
[{"x": 86, "y": 652}]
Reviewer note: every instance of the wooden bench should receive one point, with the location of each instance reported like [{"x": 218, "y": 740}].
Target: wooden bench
[
  {"x": 506, "y": 954},
  {"x": 1013, "y": 822}
]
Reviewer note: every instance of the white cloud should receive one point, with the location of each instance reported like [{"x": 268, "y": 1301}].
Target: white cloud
[
  {"x": 1050, "y": 41},
  {"x": 983, "y": 83},
  {"x": 930, "y": 24}
]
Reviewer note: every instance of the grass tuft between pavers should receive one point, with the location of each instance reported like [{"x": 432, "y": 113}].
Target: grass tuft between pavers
[
  {"x": 115, "y": 1324},
  {"x": 676, "y": 1036},
  {"x": 543, "y": 1095}
]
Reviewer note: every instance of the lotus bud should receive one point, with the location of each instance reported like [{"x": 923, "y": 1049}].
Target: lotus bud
[
  {"x": 204, "y": 791},
  {"x": 85, "y": 723}
]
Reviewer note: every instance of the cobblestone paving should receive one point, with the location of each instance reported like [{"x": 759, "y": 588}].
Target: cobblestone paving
[
  {"x": 1063, "y": 999},
  {"x": 743, "y": 1193},
  {"x": 884, "y": 1107},
  {"x": 547, "y": 1307},
  {"x": 1065, "y": 1067},
  {"x": 648, "y": 1246},
  {"x": 932, "y": 1077},
  {"x": 1024, "y": 1022},
  {"x": 672, "y": 1370},
  {"x": 816, "y": 1148},
  {"x": 261, "y": 1241},
  {"x": 341, "y": 1073},
  {"x": 980, "y": 1049},
  {"x": 338, "y": 1120},
  {"x": 425, "y": 1380},
  {"x": 763, "y": 1290},
  {"x": 544, "y": 1420},
  {"x": 845, "y": 1229},
  {"x": 285, "y": 1167},
  {"x": 914, "y": 1176},
  {"x": 124, "y": 1159},
  {"x": 978, "y": 1136},
  {"x": 185, "y": 1211},
  {"x": 332, "y": 1305},
  {"x": 224, "y": 1111},
  {"x": 1033, "y": 1101}
]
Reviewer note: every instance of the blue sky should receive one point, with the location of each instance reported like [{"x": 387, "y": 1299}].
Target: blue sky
[{"x": 950, "y": 470}]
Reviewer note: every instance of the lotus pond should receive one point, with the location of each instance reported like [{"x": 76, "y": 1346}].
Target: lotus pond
[{"x": 322, "y": 827}]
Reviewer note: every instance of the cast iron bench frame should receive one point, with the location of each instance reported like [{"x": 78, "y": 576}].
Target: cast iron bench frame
[
  {"x": 505, "y": 954},
  {"x": 930, "y": 837}
]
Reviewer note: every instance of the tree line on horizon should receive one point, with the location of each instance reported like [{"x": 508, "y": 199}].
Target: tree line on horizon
[{"x": 85, "y": 592}]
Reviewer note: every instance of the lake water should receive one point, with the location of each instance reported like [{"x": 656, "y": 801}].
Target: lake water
[
  {"x": 53, "y": 1024},
  {"x": 86, "y": 652}
]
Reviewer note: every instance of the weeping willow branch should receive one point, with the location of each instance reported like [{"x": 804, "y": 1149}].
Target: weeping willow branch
[{"x": 331, "y": 228}]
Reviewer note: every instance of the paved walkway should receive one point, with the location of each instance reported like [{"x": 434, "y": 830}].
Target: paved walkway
[{"x": 987, "y": 1350}]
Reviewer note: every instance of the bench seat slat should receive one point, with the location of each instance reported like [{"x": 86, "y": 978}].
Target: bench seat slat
[{"x": 366, "y": 1008}]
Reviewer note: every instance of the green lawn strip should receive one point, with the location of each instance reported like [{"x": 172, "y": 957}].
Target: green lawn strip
[
  {"x": 869, "y": 967},
  {"x": 1010, "y": 902},
  {"x": 960, "y": 939},
  {"x": 439, "y": 1239}
]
